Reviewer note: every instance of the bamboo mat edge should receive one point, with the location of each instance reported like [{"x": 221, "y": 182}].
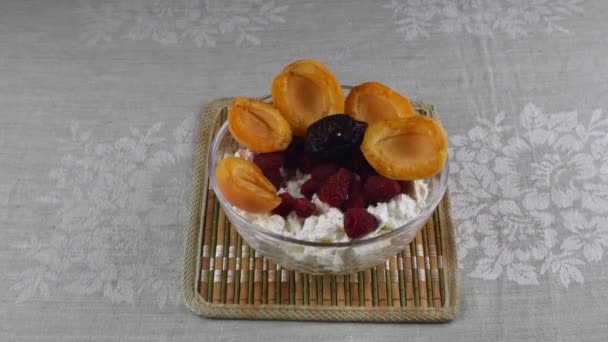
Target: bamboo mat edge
[{"x": 193, "y": 244}]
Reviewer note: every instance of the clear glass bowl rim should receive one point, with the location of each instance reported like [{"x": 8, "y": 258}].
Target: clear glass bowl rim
[{"x": 432, "y": 203}]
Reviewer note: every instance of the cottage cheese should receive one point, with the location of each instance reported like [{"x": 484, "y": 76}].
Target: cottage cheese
[
  {"x": 244, "y": 153},
  {"x": 327, "y": 223},
  {"x": 293, "y": 186}
]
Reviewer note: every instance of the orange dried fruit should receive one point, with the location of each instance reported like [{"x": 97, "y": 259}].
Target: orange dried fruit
[
  {"x": 306, "y": 91},
  {"x": 244, "y": 185},
  {"x": 406, "y": 148},
  {"x": 373, "y": 101},
  {"x": 258, "y": 126}
]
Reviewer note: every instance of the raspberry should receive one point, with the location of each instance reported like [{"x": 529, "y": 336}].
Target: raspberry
[
  {"x": 274, "y": 176},
  {"x": 286, "y": 205},
  {"x": 303, "y": 208},
  {"x": 358, "y": 222},
  {"x": 355, "y": 202},
  {"x": 380, "y": 189},
  {"x": 355, "y": 188},
  {"x": 267, "y": 161},
  {"x": 407, "y": 187},
  {"x": 366, "y": 171},
  {"x": 310, "y": 187},
  {"x": 355, "y": 196},
  {"x": 323, "y": 171},
  {"x": 293, "y": 152},
  {"x": 306, "y": 162},
  {"x": 335, "y": 189}
]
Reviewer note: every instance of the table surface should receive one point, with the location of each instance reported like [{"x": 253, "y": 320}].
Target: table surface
[{"x": 99, "y": 103}]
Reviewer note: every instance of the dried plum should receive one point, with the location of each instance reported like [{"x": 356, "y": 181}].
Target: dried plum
[{"x": 334, "y": 136}]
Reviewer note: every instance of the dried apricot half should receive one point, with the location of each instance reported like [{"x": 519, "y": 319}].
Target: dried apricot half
[
  {"x": 373, "y": 101},
  {"x": 258, "y": 125},
  {"x": 406, "y": 148},
  {"x": 244, "y": 185},
  {"x": 306, "y": 91}
]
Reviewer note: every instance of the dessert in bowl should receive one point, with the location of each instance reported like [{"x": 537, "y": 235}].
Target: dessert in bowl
[{"x": 318, "y": 191}]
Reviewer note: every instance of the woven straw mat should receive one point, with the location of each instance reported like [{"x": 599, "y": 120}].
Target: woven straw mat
[{"x": 224, "y": 278}]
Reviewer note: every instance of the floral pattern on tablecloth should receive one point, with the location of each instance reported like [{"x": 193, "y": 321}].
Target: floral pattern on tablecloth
[
  {"x": 530, "y": 193},
  {"x": 118, "y": 227},
  {"x": 530, "y": 197},
  {"x": 203, "y": 22},
  {"x": 416, "y": 19}
]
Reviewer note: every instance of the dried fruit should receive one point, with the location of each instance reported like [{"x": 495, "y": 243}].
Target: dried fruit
[
  {"x": 358, "y": 223},
  {"x": 244, "y": 185},
  {"x": 366, "y": 171},
  {"x": 310, "y": 187},
  {"x": 258, "y": 125},
  {"x": 335, "y": 189},
  {"x": 355, "y": 196},
  {"x": 272, "y": 160},
  {"x": 407, "y": 187},
  {"x": 323, "y": 171},
  {"x": 355, "y": 187},
  {"x": 373, "y": 101},
  {"x": 274, "y": 176},
  {"x": 306, "y": 91},
  {"x": 354, "y": 202},
  {"x": 287, "y": 202},
  {"x": 406, "y": 149},
  {"x": 293, "y": 153},
  {"x": 356, "y": 160},
  {"x": 380, "y": 189},
  {"x": 334, "y": 137},
  {"x": 303, "y": 208},
  {"x": 305, "y": 162}
]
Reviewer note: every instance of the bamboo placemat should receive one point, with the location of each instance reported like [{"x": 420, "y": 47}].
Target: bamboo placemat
[{"x": 225, "y": 278}]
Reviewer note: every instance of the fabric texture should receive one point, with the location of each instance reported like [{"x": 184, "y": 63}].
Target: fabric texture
[{"x": 99, "y": 110}]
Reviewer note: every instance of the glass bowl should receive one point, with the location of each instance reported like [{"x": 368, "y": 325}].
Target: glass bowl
[{"x": 317, "y": 257}]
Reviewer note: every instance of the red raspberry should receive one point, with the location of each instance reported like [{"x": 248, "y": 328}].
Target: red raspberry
[
  {"x": 305, "y": 162},
  {"x": 358, "y": 222},
  {"x": 335, "y": 189},
  {"x": 274, "y": 176},
  {"x": 355, "y": 188},
  {"x": 310, "y": 187},
  {"x": 354, "y": 202},
  {"x": 323, "y": 171},
  {"x": 293, "y": 152},
  {"x": 267, "y": 161},
  {"x": 380, "y": 189},
  {"x": 286, "y": 205},
  {"x": 407, "y": 187},
  {"x": 303, "y": 208},
  {"x": 366, "y": 171},
  {"x": 355, "y": 196}
]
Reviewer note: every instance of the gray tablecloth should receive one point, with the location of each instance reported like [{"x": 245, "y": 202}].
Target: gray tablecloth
[{"x": 99, "y": 102}]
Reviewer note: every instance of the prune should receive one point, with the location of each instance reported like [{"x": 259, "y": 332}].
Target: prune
[{"x": 333, "y": 137}]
